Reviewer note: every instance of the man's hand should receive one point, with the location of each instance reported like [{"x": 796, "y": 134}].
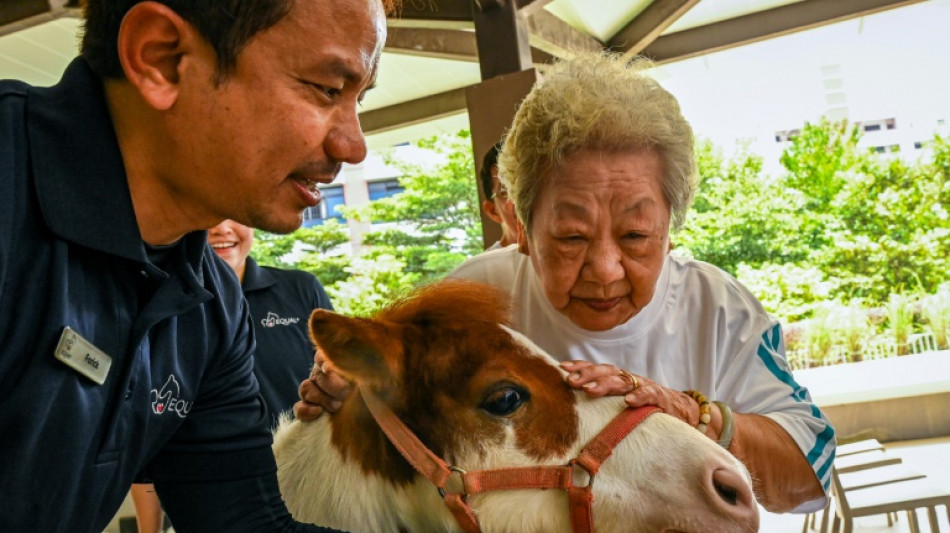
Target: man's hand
[{"x": 323, "y": 391}]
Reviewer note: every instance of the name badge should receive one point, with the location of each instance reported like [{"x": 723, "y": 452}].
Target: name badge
[{"x": 83, "y": 356}]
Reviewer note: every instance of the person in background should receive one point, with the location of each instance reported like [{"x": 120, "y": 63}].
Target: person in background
[
  {"x": 496, "y": 203},
  {"x": 125, "y": 345},
  {"x": 601, "y": 166},
  {"x": 280, "y": 302}
]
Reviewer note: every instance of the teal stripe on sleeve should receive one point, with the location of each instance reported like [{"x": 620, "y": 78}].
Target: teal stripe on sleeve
[{"x": 771, "y": 340}]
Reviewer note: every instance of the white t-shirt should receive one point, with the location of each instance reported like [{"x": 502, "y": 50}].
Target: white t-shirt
[{"x": 703, "y": 330}]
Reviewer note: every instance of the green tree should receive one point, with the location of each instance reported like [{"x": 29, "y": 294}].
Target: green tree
[
  {"x": 892, "y": 231},
  {"x": 316, "y": 249},
  {"x": 818, "y": 159},
  {"x": 741, "y": 216},
  {"x": 372, "y": 283},
  {"x": 435, "y": 223},
  {"x": 841, "y": 223}
]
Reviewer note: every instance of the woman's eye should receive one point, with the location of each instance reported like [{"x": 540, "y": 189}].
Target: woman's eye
[
  {"x": 504, "y": 402},
  {"x": 571, "y": 238}
]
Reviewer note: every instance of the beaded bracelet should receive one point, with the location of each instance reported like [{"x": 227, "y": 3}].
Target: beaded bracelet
[
  {"x": 704, "y": 409},
  {"x": 725, "y": 435}
]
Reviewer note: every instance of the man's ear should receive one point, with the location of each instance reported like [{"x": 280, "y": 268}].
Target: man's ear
[
  {"x": 152, "y": 41},
  {"x": 489, "y": 207}
]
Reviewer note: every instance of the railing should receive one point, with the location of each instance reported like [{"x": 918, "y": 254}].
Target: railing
[{"x": 878, "y": 347}]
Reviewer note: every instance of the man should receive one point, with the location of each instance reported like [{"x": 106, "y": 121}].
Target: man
[
  {"x": 125, "y": 346},
  {"x": 496, "y": 203}
]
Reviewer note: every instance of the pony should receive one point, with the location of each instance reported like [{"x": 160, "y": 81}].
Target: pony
[{"x": 480, "y": 397}]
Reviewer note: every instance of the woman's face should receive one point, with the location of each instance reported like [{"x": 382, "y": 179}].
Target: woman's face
[{"x": 599, "y": 235}]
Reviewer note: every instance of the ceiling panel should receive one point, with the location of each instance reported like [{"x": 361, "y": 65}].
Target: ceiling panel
[
  {"x": 404, "y": 77},
  {"x": 38, "y": 55},
  {"x": 710, "y": 11}
]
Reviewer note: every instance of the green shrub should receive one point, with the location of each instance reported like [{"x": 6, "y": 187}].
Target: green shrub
[{"x": 935, "y": 310}]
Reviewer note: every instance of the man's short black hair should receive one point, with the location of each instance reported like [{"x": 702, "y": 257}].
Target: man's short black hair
[
  {"x": 490, "y": 160},
  {"x": 226, "y": 24}
]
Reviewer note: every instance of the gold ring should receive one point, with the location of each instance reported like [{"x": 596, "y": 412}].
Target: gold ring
[{"x": 631, "y": 379}]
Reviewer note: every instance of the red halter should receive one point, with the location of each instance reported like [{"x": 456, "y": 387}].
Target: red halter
[{"x": 433, "y": 468}]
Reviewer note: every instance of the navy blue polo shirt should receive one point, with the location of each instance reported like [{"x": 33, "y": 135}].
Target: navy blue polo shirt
[
  {"x": 179, "y": 405},
  {"x": 280, "y": 302}
]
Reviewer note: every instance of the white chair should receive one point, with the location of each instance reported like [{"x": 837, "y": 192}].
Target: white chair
[
  {"x": 860, "y": 446},
  {"x": 891, "y": 498},
  {"x": 865, "y": 460},
  {"x": 862, "y": 464}
]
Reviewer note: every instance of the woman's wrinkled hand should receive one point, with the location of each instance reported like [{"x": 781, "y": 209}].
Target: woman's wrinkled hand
[{"x": 599, "y": 380}]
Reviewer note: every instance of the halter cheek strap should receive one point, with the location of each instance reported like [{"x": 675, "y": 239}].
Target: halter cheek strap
[{"x": 437, "y": 471}]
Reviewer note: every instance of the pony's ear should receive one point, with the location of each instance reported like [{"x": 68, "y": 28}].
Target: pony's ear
[{"x": 360, "y": 348}]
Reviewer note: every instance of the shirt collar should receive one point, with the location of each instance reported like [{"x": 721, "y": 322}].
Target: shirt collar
[
  {"x": 78, "y": 169},
  {"x": 256, "y": 277}
]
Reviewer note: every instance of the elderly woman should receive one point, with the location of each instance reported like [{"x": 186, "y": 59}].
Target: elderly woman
[{"x": 601, "y": 166}]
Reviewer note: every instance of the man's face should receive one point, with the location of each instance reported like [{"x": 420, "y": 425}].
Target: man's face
[
  {"x": 254, "y": 147},
  {"x": 599, "y": 236}
]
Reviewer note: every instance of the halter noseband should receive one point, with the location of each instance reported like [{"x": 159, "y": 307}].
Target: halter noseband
[{"x": 437, "y": 471}]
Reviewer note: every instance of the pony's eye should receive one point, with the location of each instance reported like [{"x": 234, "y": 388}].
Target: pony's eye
[{"x": 504, "y": 401}]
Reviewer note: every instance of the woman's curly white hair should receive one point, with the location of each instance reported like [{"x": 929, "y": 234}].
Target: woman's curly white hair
[{"x": 602, "y": 102}]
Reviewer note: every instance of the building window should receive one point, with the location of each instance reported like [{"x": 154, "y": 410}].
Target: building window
[
  {"x": 891, "y": 148},
  {"x": 879, "y": 125},
  {"x": 786, "y": 135},
  {"x": 384, "y": 188},
  {"x": 327, "y": 208}
]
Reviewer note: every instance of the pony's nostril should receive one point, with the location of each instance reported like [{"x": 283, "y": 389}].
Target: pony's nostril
[
  {"x": 728, "y": 493},
  {"x": 731, "y": 493}
]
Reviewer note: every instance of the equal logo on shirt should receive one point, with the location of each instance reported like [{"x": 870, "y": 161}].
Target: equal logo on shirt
[
  {"x": 169, "y": 399},
  {"x": 272, "y": 320}
]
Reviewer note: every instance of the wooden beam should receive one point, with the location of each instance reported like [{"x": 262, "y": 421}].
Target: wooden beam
[
  {"x": 502, "y": 39},
  {"x": 435, "y": 12},
  {"x": 12, "y": 17},
  {"x": 455, "y": 45},
  {"x": 15, "y": 10},
  {"x": 549, "y": 37},
  {"x": 649, "y": 24},
  {"x": 763, "y": 25},
  {"x": 458, "y": 45},
  {"x": 413, "y": 111},
  {"x": 550, "y": 34}
]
